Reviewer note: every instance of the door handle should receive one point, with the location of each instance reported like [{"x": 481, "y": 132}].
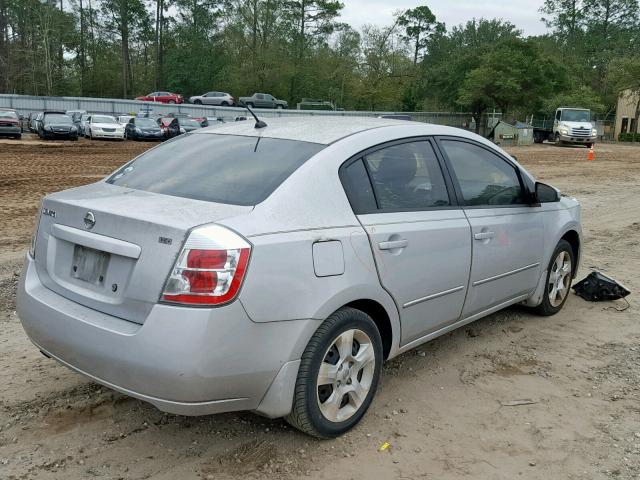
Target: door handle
[
  {"x": 393, "y": 244},
  {"x": 484, "y": 235}
]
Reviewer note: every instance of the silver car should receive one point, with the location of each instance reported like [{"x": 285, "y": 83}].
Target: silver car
[
  {"x": 213, "y": 98},
  {"x": 275, "y": 269}
]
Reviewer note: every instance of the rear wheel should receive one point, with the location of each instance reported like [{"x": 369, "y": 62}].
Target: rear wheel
[
  {"x": 338, "y": 376},
  {"x": 224, "y": 104},
  {"x": 558, "y": 281},
  {"x": 250, "y": 105}
]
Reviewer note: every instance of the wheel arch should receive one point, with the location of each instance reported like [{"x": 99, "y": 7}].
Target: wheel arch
[
  {"x": 573, "y": 238},
  {"x": 380, "y": 317},
  {"x": 375, "y": 302}
]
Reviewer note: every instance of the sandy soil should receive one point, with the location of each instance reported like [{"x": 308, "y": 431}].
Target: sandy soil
[{"x": 443, "y": 408}]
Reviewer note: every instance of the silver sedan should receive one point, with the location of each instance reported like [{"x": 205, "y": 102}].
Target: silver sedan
[
  {"x": 221, "y": 99},
  {"x": 275, "y": 269}
]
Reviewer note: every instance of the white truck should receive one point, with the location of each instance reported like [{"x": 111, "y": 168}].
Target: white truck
[{"x": 570, "y": 126}]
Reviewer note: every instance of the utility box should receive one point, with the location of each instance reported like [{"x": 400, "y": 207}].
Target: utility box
[{"x": 509, "y": 135}]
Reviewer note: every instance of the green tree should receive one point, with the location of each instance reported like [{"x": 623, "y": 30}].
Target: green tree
[{"x": 419, "y": 24}]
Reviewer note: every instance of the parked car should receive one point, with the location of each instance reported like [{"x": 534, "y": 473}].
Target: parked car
[
  {"x": 221, "y": 99},
  {"x": 170, "y": 127},
  {"x": 32, "y": 121},
  {"x": 275, "y": 269},
  {"x": 76, "y": 116},
  {"x": 83, "y": 127},
  {"x": 10, "y": 125},
  {"x": 262, "y": 100},
  {"x": 189, "y": 124},
  {"x": 104, "y": 126},
  {"x": 162, "y": 97},
  {"x": 124, "y": 119},
  {"x": 40, "y": 119},
  {"x": 57, "y": 125},
  {"x": 143, "y": 129}
]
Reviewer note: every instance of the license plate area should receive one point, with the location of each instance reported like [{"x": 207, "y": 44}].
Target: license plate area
[{"x": 89, "y": 265}]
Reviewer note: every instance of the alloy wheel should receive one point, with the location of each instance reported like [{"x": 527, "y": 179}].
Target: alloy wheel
[
  {"x": 346, "y": 375},
  {"x": 559, "y": 279}
]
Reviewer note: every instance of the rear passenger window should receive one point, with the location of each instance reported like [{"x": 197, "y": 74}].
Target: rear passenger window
[
  {"x": 484, "y": 177},
  {"x": 407, "y": 177},
  {"x": 358, "y": 188}
]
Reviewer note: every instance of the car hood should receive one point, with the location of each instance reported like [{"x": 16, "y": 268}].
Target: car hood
[
  {"x": 66, "y": 126},
  {"x": 106, "y": 125}
]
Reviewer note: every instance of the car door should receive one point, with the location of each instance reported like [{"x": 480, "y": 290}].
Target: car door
[
  {"x": 419, "y": 237},
  {"x": 210, "y": 98},
  {"x": 270, "y": 101},
  {"x": 507, "y": 230},
  {"x": 259, "y": 100}
]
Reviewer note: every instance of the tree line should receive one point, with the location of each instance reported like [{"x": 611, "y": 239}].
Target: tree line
[{"x": 299, "y": 48}]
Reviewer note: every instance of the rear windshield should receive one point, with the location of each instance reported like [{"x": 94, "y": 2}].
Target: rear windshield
[
  {"x": 216, "y": 168},
  {"x": 8, "y": 114}
]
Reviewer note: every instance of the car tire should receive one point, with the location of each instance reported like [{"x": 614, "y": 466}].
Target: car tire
[
  {"x": 559, "y": 274},
  {"x": 198, "y": 102},
  {"x": 224, "y": 104},
  {"x": 589, "y": 145},
  {"x": 250, "y": 105},
  {"x": 90, "y": 135},
  {"x": 279, "y": 107},
  {"x": 171, "y": 101},
  {"x": 348, "y": 348}
]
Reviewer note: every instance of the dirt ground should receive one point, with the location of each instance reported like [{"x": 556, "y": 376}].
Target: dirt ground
[{"x": 443, "y": 407}]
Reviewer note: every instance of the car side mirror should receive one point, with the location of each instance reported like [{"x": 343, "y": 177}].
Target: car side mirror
[{"x": 546, "y": 193}]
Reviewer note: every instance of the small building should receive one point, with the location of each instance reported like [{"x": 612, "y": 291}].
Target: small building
[
  {"x": 626, "y": 113},
  {"x": 508, "y": 135}
]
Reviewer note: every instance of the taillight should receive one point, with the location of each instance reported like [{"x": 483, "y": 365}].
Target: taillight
[{"x": 209, "y": 269}]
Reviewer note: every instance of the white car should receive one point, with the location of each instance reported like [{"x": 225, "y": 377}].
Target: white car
[
  {"x": 124, "y": 119},
  {"x": 104, "y": 126}
]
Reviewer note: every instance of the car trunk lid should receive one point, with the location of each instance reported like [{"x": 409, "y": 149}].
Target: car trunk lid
[{"x": 111, "y": 248}]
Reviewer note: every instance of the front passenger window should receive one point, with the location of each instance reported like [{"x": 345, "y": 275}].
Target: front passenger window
[{"x": 484, "y": 177}]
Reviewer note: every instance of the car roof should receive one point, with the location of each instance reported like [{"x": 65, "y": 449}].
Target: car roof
[{"x": 320, "y": 129}]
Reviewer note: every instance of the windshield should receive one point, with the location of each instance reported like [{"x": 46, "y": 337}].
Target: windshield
[
  {"x": 229, "y": 169},
  {"x": 146, "y": 123},
  {"x": 102, "y": 119},
  {"x": 190, "y": 123},
  {"x": 8, "y": 114},
  {"x": 576, "y": 116},
  {"x": 57, "y": 119}
]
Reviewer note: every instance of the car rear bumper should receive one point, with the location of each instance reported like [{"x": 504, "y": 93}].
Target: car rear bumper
[
  {"x": 6, "y": 130},
  {"x": 187, "y": 361}
]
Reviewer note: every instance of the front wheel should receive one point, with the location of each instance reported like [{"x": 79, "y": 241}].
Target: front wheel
[
  {"x": 558, "y": 281},
  {"x": 172, "y": 101},
  {"x": 338, "y": 376}
]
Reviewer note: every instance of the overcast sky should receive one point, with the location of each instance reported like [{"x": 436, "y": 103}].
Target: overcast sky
[{"x": 523, "y": 14}]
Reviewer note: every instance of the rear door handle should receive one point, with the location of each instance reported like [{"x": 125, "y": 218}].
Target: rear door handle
[
  {"x": 391, "y": 245},
  {"x": 484, "y": 235}
]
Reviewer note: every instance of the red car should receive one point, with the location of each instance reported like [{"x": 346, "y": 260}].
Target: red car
[{"x": 162, "y": 97}]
